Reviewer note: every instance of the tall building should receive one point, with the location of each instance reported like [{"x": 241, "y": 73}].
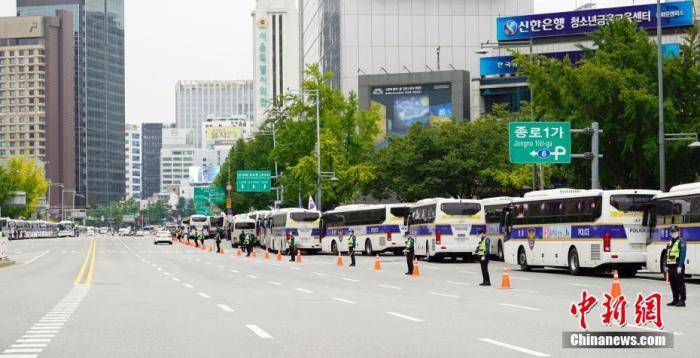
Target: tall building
[
  {"x": 276, "y": 51},
  {"x": 133, "y": 163},
  {"x": 221, "y": 133},
  {"x": 178, "y": 154},
  {"x": 195, "y": 100},
  {"x": 151, "y": 142},
  {"x": 98, "y": 27},
  {"x": 352, "y": 38},
  {"x": 36, "y": 95}
]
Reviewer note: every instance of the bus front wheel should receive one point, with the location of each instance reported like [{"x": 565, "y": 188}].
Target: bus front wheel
[
  {"x": 522, "y": 260},
  {"x": 500, "y": 251},
  {"x": 574, "y": 266},
  {"x": 334, "y": 248},
  {"x": 368, "y": 248}
]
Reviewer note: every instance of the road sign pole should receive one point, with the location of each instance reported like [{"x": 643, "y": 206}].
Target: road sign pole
[{"x": 595, "y": 141}]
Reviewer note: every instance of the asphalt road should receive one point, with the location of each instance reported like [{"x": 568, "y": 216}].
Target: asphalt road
[{"x": 141, "y": 300}]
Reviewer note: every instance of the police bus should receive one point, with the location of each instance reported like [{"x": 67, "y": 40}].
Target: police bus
[
  {"x": 578, "y": 229},
  {"x": 199, "y": 222},
  {"x": 239, "y": 224},
  {"x": 494, "y": 209},
  {"x": 378, "y": 228},
  {"x": 66, "y": 228},
  {"x": 302, "y": 223},
  {"x": 446, "y": 227},
  {"x": 680, "y": 206}
]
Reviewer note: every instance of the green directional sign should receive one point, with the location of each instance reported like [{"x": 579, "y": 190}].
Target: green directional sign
[
  {"x": 252, "y": 181},
  {"x": 206, "y": 195},
  {"x": 539, "y": 142}
]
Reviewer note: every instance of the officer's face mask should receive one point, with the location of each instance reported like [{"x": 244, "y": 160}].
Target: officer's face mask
[{"x": 675, "y": 234}]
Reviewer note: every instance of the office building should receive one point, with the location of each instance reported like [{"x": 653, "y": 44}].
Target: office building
[
  {"x": 195, "y": 100},
  {"x": 36, "y": 95},
  {"x": 276, "y": 52},
  {"x": 221, "y": 133},
  {"x": 353, "y": 38},
  {"x": 98, "y": 34},
  {"x": 133, "y": 164},
  {"x": 151, "y": 142},
  {"x": 177, "y": 161}
]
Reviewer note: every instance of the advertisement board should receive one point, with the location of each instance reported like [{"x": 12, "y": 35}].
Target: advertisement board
[
  {"x": 203, "y": 175},
  {"x": 222, "y": 135},
  {"x": 679, "y": 13},
  {"x": 404, "y": 105}
]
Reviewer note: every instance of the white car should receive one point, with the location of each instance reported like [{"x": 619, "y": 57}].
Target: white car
[
  {"x": 140, "y": 233},
  {"x": 103, "y": 230},
  {"x": 162, "y": 236}
]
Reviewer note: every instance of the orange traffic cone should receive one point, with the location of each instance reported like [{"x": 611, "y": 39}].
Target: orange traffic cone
[
  {"x": 222, "y": 251},
  {"x": 238, "y": 252},
  {"x": 267, "y": 255},
  {"x": 377, "y": 264},
  {"x": 210, "y": 250},
  {"x": 505, "y": 278},
  {"x": 615, "y": 291},
  {"x": 339, "y": 261},
  {"x": 298, "y": 257},
  {"x": 279, "y": 255},
  {"x": 416, "y": 269},
  {"x": 253, "y": 254}
]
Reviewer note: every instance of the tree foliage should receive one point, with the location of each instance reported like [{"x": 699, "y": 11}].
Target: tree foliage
[
  {"x": 22, "y": 174},
  {"x": 616, "y": 85}
]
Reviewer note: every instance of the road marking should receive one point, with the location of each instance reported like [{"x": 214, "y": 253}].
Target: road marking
[
  {"x": 520, "y": 278},
  {"x": 430, "y": 267},
  {"x": 515, "y": 348},
  {"x": 294, "y": 268},
  {"x": 35, "y": 340},
  {"x": 225, "y": 308},
  {"x": 23, "y": 350},
  {"x": 38, "y": 257},
  {"x": 257, "y": 330},
  {"x": 208, "y": 263},
  {"x": 28, "y": 345},
  {"x": 344, "y": 300},
  {"x": 187, "y": 285},
  {"x": 166, "y": 273},
  {"x": 89, "y": 258},
  {"x": 303, "y": 290},
  {"x": 176, "y": 279},
  {"x": 519, "y": 290},
  {"x": 391, "y": 287},
  {"x": 523, "y": 307},
  {"x": 458, "y": 283},
  {"x": 319, "y": 273},
  {"x": 405, "y": 317},
  {"x": 38, "y": 336},
  {"x": 253, "y": 276},
  {"x": 657, "y": 330},
  {"x": 203, "y": 294},
  {"x": 234, "y": 271},
  {"x": 219, "y": 266},
  {"x": 443, "y": 294},
  {"x": 468, "y": 272},
  {"x": 275, "y": 283},
  {"x": 348, "y": 279},
  {"x": 582, "y": 285},
  {"x": 160, "y": 269}
]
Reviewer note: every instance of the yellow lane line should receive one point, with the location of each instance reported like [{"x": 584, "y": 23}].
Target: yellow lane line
[
  {"x": 85, "y": 263},
  {"x": 88, "y": 280}
]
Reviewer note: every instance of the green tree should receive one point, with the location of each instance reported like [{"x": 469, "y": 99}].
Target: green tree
[
  {"x": 156, "y": 213},
  {"x": 616, "y": 85},
  {"x": 22, "y": 174}
]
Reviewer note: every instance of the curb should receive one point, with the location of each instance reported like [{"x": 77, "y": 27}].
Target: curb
[{"x": 5, "y": 263}]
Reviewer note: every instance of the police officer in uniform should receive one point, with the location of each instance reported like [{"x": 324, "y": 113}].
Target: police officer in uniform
[
  {"x": 483, "y": 249},
  {"x": 251, "y": 242},
  {"x": 218, "y": 240},
  {"x": 675, "y": 266},
  {"x": 352, "y": 243},
  {"x": 410, "y": 252},
  {"x": 292, "y": 243}
]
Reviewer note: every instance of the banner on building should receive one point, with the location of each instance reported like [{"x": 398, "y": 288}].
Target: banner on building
[{"x": 222, "y": 135}]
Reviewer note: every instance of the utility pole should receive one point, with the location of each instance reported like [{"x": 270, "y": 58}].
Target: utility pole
[
  {"x": 660, "y": 74},
  {"x": 594, "y": 155},
  {"x": 319, "y": 190}
]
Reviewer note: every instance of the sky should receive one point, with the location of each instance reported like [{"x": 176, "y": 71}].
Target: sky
[{"x": 211, "y": 40}]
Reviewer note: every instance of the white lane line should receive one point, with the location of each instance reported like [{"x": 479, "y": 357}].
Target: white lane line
[
  {"x": 468, "y": 272},
  {"x": 344, "y": 300},
  {"x": 405, "y": 317},
  {"x": 275, "y": 283},
  {"x": 23, "y": 350},
  {"x": 160, "y": 269},
  {"x": 519, "y": 290},
  {"x": 319, "y": 273},
  {"x": 208, "y": 263},
  {"x": 43, "y": 331},
  {"x": 582, "y": 285},
  {"x": 203, "y": 294},
  {"x": 391, "y": 287},
  {"x": 38, "y": 257},
  {"x": 458, "y": 283},
  {"x": 28, "y": 345},
  {"x": 225, "y": 308},
  {"x": 166, "y": 273},
  {"x": 521, "y": 307},
  {"x": 348, "y": 279},
  {"x": 257, "y": 330},
  {"x": 253, "y": 276},
  {"x": 234, "y": 271},
  {"x": 176, "y": 279},
  {"x": 294, "y": 268},
  {"x": 187, "y": 285},
  {"x": 443, "y": 294},
  {"x": 515, "y": 348},
  {"x": 520, "y": 278},
  {"x": 35, "y": 340},
  {"x": 220, "y": 266},
  {"x": 304, "y": 290},
  {"x": 38, "y": 336}
]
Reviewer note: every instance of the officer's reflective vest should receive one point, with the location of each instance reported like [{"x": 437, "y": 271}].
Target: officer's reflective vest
[
  {"x": 482, "y": 247},
  {"x": 673, "y": 251},
  {"x": 351, "y": 242},
  {"x": 409, "y": 243},
  {"x": 292, "y": 240}
]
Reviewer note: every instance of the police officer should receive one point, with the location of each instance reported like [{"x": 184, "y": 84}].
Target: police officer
[
  {"x": 675, "y": 266},
  {"x": 352, "y": 243},
  {"x": 241, "y": 239},
  {"x": 410, "y": 252},
  {"x": 251, "y": 242},
  {"x": 246, "y": 244},
  {"x": 483, "y": 249},
  {"x": 218, "y": 240},
  {"x": 292, "y": 243}
]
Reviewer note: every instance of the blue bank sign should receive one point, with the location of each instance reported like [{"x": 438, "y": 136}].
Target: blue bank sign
[{"x": 678, "y": 13}]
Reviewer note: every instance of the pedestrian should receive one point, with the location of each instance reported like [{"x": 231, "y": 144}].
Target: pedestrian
[
  {"x": 483, "y": 249},
  {"x": 218, "y": 241},
  {"x": 241, "y": 239},
  {"x": 409, "y": 251},
  {"x": 292, "y": 244},
  {"x": 675, "y": 266},
  {"x": 352, "y": 243}
]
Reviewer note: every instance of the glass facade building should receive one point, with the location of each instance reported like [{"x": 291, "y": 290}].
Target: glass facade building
[
  {"x": 99, "y": 93},
  {"x": 151, "y": 143}
]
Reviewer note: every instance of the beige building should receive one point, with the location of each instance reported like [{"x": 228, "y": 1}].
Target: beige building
[{"x": 37, "y": 95}]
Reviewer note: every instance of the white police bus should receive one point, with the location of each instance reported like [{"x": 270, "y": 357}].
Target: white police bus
[
  {"x": 578, "y": 229},
  {"x": 378, "y": 228},
  {"x": 66, "y": 228},
  {"x": 199, "y": 222},
  {"x": 302, "y": 223},
  {"x": 681, "y": 207},
  {"x": 494, "y": 209},
  {"x": 239, "y": 224},
  {"x": 446, "y": 227}
]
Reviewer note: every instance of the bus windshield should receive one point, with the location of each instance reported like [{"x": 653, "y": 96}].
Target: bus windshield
[
  {"x": 307, "y": 217},
  {"x": 630, "y": 202},
  {"x": 198, "y": 219},
  {"x": 245, "y": 226},
  {"x": 460, "y": 208}
]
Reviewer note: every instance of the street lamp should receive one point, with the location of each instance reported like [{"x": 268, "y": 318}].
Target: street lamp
[
  {"x": 58, "y": 185},
  {"x": 315, "y": 93},
  {"x": 660, "y": 75},
  {"x": 687, "y": 137}
]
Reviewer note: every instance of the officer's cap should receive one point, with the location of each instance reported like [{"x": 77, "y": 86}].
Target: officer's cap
[{"x": 675, "y": 228}]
